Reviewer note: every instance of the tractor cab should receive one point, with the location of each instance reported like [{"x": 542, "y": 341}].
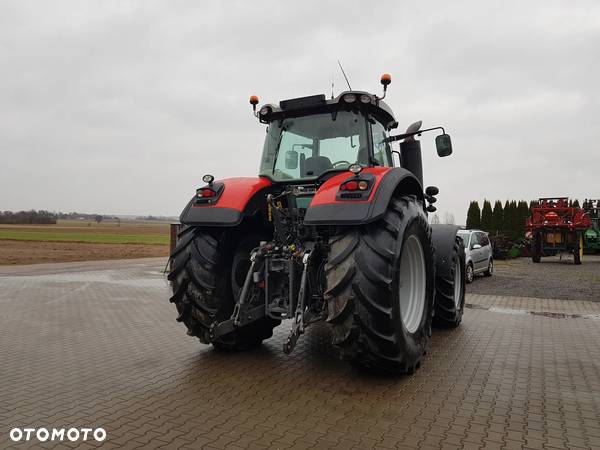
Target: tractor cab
[{"x": 311, "y": 138}]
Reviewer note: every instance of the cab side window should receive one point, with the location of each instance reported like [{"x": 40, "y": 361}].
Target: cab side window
[{"x": 381, "y": 149}]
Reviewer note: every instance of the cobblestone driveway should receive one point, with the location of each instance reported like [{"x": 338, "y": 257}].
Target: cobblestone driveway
[{"x": 96, "y": 344}]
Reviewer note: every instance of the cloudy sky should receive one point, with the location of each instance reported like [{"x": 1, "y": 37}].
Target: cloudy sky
[{"x": 121, "y": 107}]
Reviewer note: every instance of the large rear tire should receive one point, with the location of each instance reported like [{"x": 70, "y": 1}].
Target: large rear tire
[
  {"x": 450, "y": 291},
  {"x": 380, "y": 282},
  {"x": 203, "y": 277},
  {"x": 536, "y": 247}
]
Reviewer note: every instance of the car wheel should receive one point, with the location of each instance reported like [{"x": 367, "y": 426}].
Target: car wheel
[
  {"x": 469, "y": 273},
  {"x": 490, "y": 270}
]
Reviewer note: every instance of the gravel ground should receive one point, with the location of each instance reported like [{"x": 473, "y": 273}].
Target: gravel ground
[{"x": 552, "y": 278}]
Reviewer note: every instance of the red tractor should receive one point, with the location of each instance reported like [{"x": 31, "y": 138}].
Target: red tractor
[
  {"x": 556, "y": 227},
  {"x": 332, "y": 229}
]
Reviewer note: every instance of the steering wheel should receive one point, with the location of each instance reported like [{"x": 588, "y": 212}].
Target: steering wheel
[{"x": 340, "y": 162}]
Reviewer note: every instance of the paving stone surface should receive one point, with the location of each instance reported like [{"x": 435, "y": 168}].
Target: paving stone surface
[{"x": 97, "y": 345}]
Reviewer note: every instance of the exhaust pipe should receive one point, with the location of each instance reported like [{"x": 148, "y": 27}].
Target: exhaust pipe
[{"x": 410, "y": 158}]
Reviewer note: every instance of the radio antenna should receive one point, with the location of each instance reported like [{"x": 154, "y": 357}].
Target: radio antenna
[
  {"x": 332, "y": 84},
  {"x": 344, "y": 73}
]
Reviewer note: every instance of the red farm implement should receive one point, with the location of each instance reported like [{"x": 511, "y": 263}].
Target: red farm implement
[{"x": 555, "y": 228}]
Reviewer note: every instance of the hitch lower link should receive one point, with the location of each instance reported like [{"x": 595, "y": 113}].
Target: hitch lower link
[
  {"x": 298, "y": 320},
  {"x": 244, "y": 314}
]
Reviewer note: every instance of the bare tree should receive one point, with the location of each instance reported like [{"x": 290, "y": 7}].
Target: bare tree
[
  {"x": 435, "y": 219},
  {"x": 449, "y": 218}
]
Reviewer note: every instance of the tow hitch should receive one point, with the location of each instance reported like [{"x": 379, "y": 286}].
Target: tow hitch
[{"x": 271, "y": 289}]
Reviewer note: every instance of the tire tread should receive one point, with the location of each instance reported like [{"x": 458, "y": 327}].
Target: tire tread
[
  {"x": 360, "y": 276},
  {"x": 200, "y": 280}
]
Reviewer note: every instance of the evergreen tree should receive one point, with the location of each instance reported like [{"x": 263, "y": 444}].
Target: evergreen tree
[
  {"x": 506, "y": 223},
  {"x": 514, "y": 220},
  {"x": 498, "y": 218},
  {"x": 533, "y": 204},
  {"x": 508, "y": 219},
  {"x": 473, "y": 216},
  {"x": 523, "y": 213},
  {"x": 487, "y": 218}
]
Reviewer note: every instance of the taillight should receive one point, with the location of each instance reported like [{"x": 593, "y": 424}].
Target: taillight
[
  {"x": 208, "y": 195},
  {"x": 351, "y": 186},
  {"x": 205, "y": 193},
  {"x": 356, "y": 188},
  {"x": 354, "y": 185}
]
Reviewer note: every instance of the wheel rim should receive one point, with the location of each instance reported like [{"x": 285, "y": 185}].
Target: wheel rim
[
  {"x": 412, "y": 284},
  {"x": 457, "y": 284},
  {"x": 491, "y": 267},
  {"x": 469, "y": 273}
]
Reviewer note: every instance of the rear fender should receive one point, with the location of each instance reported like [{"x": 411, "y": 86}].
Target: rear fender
[
  {"x": 326, "y": 208},
  {"x": 443, "y": 238},
  {"x": 239, "y": 197}
]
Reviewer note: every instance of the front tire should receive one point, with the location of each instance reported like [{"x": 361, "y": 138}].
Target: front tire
[
  {"x": 380, "y": 289},
  {"x": 203, "y": 280}
]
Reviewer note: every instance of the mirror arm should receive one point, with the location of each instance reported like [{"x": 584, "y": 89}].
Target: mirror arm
[{"x": 416, "y": 133}]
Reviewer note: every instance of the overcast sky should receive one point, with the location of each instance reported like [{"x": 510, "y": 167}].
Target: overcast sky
[{"x": 121, "y": 107}]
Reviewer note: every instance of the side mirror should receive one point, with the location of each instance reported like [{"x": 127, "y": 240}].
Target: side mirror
[
  {"x": 476, "y": 246},
  {"x": 443, "y": 145},
  {"x": 291, "y": 159}
]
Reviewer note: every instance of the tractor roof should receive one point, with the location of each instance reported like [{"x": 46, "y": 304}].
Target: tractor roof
[{"x": 316, "y": 104}]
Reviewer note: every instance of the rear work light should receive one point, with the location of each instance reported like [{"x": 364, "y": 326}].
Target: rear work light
[{"x": 349, "y": 98}]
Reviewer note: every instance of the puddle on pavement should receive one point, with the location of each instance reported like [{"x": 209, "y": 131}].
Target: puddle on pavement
[
  {"x": 524, "y": 312},
  {"x": 151, "y": 279}
]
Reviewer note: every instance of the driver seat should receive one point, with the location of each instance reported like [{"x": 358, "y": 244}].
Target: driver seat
[{"x": 315, "y": 166}]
